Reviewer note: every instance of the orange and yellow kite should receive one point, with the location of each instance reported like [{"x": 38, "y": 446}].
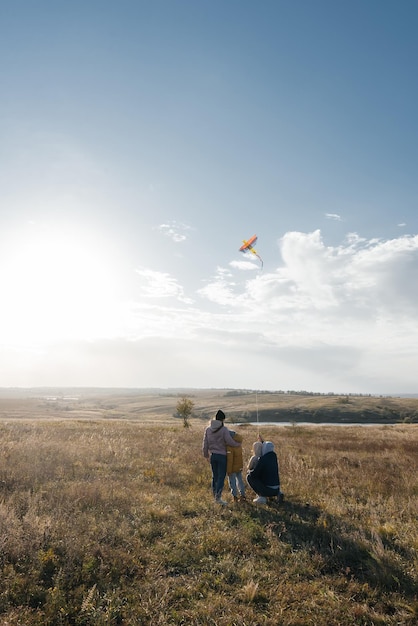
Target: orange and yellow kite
[{"x": 249, "y": 247}]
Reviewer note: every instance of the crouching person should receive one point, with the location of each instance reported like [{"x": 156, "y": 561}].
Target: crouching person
[{"x": 264, "y": 479}]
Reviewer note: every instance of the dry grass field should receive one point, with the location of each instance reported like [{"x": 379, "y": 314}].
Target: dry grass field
[{"x": 110, "y": 521}]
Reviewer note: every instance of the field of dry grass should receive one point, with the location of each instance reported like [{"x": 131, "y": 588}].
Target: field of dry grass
[{"x": 112, "y": 522}]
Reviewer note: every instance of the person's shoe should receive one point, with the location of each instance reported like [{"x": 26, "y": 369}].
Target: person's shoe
[
  {"x": 280, "y": 498},
  {"x": 260, "y": 500},
  {"x": 221, "y": 502},
  {"x": 242, "y": 498},
  {"x": 236, "y": 499}
]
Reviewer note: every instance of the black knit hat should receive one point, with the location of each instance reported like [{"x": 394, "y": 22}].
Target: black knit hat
[{"x": 220, "y": 415}]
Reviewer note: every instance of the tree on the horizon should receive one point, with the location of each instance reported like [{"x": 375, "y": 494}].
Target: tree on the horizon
[{"x": 184, "y": 409}]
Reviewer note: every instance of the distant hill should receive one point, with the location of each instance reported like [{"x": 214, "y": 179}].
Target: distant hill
[{"x": 240, "y": 406}]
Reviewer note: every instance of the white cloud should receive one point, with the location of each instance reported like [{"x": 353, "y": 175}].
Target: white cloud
[
  {"x": 174, "y": 231},
  {"x": 346, "y": 311},
  {"x": 333, "y": 216},
  {"x": 245, "y": 265},
  {"x": 160, "y": 285},
  {"x": 220, "y": 289},
  {"x": 358, "y": 280}
]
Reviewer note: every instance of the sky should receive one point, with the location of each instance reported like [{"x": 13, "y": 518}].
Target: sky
[{"x": 141, "y": 142}]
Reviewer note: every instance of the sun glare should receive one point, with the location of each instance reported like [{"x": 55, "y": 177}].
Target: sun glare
[{"x": 57, "y": 284}]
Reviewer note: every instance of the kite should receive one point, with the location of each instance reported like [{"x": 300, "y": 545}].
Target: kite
[{"x": 248, "y": 247}]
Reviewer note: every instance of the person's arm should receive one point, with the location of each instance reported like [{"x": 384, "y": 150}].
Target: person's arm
[
  {"x": 228, "y": 439},
  {"x": 257, "y": 470},
  {"x": 205, "y": 446},
  {"x": 229, "y": 459}
]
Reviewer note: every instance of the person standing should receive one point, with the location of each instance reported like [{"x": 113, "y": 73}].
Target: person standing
[
  {"x": 215, "y": 441},
  {"x": 234, "y": 465}
]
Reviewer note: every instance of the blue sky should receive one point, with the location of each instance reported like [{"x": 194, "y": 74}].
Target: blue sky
[{"x": 141, "y": 142}]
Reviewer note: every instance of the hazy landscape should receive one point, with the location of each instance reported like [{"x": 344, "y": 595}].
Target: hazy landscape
[
  {"x": 239, "y": 405},
  {"x": 106, "y": 515}
]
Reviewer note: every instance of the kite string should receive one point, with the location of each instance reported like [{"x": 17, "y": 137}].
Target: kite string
[{"x": 256, "y": 405}]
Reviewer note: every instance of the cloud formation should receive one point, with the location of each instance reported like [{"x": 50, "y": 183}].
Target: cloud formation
[
  {"x": 325, "y": 318},
  {"x": 249, "y": 266},
  {"x": 348, "y": 310},
  {"x": 174, "y": 231},
  {"x": 155, "y": 284}
]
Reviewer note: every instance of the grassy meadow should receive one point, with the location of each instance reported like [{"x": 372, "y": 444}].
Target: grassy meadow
[{"x": 112, "y": 522}]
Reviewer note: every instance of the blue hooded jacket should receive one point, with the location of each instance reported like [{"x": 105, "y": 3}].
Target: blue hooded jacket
[{"x": 267, "y": 468}]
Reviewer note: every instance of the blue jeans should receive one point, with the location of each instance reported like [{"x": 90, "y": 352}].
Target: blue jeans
[
  {"x": 218, "y": 465},
  {"x": 236, "y": 483}
]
